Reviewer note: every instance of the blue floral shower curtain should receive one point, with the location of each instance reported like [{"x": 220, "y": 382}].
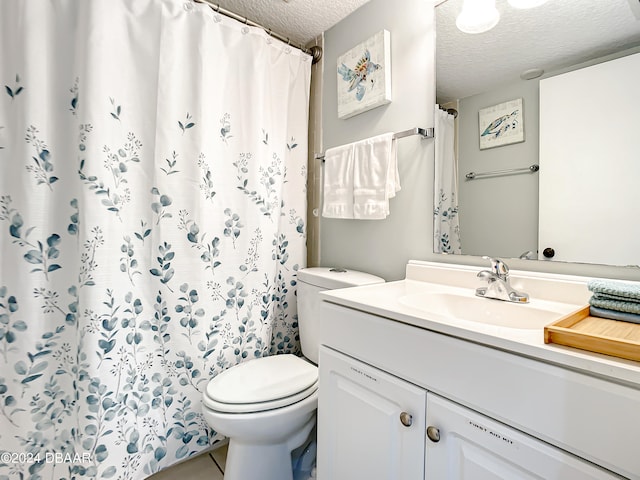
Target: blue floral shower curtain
[
  {"x": 152, "y": 220},
  {"x": 446, "y": 225}
]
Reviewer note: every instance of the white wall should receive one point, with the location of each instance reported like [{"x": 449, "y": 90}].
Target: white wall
[
  {"x": 589, "y": 132},
  {"x": 382, "y": 247},
  {"x": 498, "y": 215}
]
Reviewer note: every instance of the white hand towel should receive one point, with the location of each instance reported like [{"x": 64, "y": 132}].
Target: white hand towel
[
  {"x": 338, "y": 182},
  {"x": 375, "y": 176}
]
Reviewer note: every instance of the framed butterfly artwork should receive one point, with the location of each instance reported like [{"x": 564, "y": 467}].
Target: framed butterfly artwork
[
  {"x": 501, "y": 124},
  {"x": 364, "y": 76}
]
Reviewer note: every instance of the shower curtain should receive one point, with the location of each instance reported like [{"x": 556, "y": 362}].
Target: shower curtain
[
  {"x": 152, "y": 220},
  {"x": 446, "y": 229}
]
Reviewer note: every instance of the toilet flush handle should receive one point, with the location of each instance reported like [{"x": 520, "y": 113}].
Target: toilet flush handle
[{"x": 406, "y": 419}]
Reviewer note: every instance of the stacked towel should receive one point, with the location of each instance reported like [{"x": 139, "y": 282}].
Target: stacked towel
[
  {"x": 615, "y": 300},
  {"x": 360, "y": 178},
  {"x": 375, "y": 177}
]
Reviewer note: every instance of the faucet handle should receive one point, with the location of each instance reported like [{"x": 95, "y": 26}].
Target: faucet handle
[{"x": 498, "y": 267}]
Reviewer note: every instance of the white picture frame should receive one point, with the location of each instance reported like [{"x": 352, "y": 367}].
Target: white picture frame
[
  {"x": 501, "y": 124},
  {"x": 364, "y": 76}
]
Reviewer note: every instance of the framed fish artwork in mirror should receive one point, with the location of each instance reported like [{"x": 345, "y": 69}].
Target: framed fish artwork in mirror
[
  {"x": 501, "y": 124},
  {"x": 364, "y": 76}
]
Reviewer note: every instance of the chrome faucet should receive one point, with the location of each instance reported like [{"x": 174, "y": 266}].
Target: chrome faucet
[
  {"x": 499, "y": 286},
  {"x": 528, "y": 255}
]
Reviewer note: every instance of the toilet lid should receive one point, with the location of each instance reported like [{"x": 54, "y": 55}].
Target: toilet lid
[
  {"x": 260, "y": 406},
  {"x": 263, "y": 380}
]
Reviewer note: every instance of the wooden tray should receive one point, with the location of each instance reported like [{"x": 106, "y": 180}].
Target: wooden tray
[{"x": 601, "y": 335}]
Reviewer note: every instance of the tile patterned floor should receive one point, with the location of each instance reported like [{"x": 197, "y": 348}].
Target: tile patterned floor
[{"x": 208, "y": 466}]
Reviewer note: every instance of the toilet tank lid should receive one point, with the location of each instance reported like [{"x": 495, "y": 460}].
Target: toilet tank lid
[{"x": 331, "y": 278}]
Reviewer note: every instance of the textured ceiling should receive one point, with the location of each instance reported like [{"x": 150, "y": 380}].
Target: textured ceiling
[
  {"x": 557, "y": 34},
  {"x": 299, "y": 20}
]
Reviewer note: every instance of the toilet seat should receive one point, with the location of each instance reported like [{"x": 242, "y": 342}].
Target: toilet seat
[
  {"x": 262, "y": 384},
  {"x": 261, "y": 406}
]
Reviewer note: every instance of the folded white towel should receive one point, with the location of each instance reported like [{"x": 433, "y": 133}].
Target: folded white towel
[
  {"x": 338, "y": 182},
  {"x": 375, "y": 176}
]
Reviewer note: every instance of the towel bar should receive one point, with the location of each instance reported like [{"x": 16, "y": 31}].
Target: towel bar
[
  {"x": 423, "y": 132},
  {"x": 530, "y": 169}
]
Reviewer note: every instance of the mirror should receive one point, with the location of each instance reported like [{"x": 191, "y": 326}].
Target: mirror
[{"x": 498, "y": 214}]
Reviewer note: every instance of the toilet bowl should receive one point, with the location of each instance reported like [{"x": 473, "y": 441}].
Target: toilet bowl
[{"x": 267, "y": 406}]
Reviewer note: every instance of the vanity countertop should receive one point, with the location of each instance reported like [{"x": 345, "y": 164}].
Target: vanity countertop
[{"x": 566, "y": 293}]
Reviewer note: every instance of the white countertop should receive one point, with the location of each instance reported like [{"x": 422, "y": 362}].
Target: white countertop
[{"x": 385, "y": 300}]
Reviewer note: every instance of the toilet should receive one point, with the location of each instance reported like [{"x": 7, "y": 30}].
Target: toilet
[{"x": 267, "y": 406}]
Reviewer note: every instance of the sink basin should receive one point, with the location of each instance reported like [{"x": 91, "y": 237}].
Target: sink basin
[{"x": 487, "y": 311}]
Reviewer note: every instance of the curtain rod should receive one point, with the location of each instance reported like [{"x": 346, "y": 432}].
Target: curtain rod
[{"x": 315, "y": 51}]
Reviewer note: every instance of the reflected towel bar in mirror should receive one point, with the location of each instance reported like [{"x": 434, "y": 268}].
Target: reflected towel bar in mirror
[
  {"x": 423, "y": 132},
  {"x": 530, "y": 169}
]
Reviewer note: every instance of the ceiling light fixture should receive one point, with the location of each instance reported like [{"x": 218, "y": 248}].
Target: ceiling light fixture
[
  {"x": 526, "y": 3},
  {"x": 478, "y": 16}
]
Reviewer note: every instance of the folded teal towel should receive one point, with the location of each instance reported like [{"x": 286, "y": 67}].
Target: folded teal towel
[
  {"x": 606, "y": 296},
  {"x": 613, "y": 290},
  {"x": 617, "y": 305},
  {"x": 613, "y": 315}
]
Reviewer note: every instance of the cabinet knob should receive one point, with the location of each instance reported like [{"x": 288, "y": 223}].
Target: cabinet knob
[
  {"x": 548, "y": 252},
  {"x": 406, "y": 419},
  {"x": 434, "y": 434}
]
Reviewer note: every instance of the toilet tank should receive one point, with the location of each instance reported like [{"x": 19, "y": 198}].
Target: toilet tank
[{"x": 312, "y": 281}]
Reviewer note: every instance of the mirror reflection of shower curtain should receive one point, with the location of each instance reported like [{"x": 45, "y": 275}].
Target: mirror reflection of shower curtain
[{"x": 446, "y": 228}]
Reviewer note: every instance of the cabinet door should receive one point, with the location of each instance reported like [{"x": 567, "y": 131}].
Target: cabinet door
[
  {"x": 474, "y": 447},
  {"x": 371, "y": 425}
]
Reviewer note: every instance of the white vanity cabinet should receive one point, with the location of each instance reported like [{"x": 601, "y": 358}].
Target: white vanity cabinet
[
  {"x": 370, "y": 424},
  {"x": 553, "y": 423}
]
